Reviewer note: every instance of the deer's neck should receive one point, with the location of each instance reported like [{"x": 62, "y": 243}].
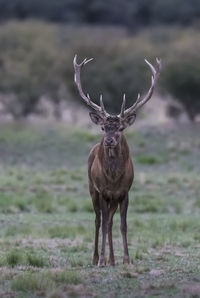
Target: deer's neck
[
  {"x": 112, "y": 153},
  {"x": 113, "y": 159}
]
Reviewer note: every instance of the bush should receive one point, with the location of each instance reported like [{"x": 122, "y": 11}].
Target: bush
[
  {"x": 118, "y": 68},
  {"x": 182, "y": 81},
  {"x": 36, "y": 61},
  {"x": 29, "y": 67},
  {"x": 181, "y": 75}
]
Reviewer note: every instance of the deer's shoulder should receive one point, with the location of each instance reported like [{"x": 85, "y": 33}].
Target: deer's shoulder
[{"x": 93, "y": 153}]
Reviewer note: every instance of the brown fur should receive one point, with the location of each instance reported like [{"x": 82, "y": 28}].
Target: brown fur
[
  {"x": 110, "y": 168},
  {"x": 110, "y": 172}
]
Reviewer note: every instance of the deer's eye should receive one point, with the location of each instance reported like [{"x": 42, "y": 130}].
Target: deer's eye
[{"x": 102, "y": 128}]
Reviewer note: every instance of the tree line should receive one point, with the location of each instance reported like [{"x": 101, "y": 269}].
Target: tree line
[
  {"x": 36, "y": 62},
  {"x": 129, "y": 13}
]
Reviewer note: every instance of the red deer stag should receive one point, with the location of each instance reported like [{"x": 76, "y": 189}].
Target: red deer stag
[{"x": 110, "y": 168}]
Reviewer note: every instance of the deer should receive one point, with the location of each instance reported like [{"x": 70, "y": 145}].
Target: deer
[{"x": 110, "y": 168}]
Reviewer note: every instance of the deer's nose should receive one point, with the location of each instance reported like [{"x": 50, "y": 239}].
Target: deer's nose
[{"x": 108, "y": 141}]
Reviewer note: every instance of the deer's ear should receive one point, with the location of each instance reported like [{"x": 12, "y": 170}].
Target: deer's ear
[
  {"x": 129, "y": 120},
  {"x": 98, "y": 120}
]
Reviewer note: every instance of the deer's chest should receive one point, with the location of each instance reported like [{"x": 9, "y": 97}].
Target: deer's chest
[
  {"x": 113, "y": 169},
  {"x": 112, "y": 177},
  {"x": 111, "y": 185}
]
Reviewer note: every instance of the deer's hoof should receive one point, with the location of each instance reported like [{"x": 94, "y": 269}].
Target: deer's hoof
[
  {"x": 102, "y": 262},
  {"x": 126, "y": 260}
]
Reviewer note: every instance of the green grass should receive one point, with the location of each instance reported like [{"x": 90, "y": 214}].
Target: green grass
[
  {"x": 32, "y": 282},
  {"x": 67, "y": 277},
  {"x": 35, "y": 260},
  {"x": 67, "y": 231},
  {"x": 47, "y": 218},
  {"x": 14, "y": 258},
  {"x": 148, "y": 160}
]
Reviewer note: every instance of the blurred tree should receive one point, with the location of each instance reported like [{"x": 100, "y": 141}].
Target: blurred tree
[
  {"x": 36, "y": 61},
  {"x": 127, "y": 12},
  {"x": 181, "y": 79},
  {"x": 169, "y": 12},
  {"x": 109, "y": 12},
  {"x": 181, "y": 75},
  {"x": 118, "y": 68},
  {"x": 29, "y": 66}
]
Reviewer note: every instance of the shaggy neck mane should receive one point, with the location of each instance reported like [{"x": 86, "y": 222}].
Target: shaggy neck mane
[{"x": 114, "y": 159}]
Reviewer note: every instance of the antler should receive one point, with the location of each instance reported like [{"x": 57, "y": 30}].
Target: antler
[
  {"x": 140, "y": 102},
  {"x": 77, "y": 79}
]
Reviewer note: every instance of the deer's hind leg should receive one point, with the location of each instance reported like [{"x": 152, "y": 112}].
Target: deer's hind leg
[
  {"x": 96, "y": 205},
  {"x": 104, "y": 210}
]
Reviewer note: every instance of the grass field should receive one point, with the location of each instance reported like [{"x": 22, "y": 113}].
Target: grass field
[{"x": 47, "y": 222}]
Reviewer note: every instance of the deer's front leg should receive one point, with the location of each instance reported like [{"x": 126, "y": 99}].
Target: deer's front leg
[
  {"x": 112, "y": 210},
  {"x": 123, "y": 214},
  {"x": 96, "y": 205},
  {"x": 104, "y": 210}
]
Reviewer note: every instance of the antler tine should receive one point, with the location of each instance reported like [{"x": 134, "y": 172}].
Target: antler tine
[
  {"x": 151, "y": 66},
  {"x": 159, "y": 62},
  {"x": 155, "y": 75},
  {"x": 77, "y": 79},
  {"x": 101, "y": 104},
  {"x": 121, "y": 115},
  {"x": 129, "y": 110}
]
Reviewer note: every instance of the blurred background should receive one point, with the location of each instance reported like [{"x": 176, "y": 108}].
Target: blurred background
[
  {"x": 46, "y": 213},
  {"x": 38, "y": 40}
]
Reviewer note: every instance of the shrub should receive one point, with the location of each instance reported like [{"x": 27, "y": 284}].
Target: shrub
[
  {"x": 31, "y": 68},
  {"x": 181, "y": 75}
]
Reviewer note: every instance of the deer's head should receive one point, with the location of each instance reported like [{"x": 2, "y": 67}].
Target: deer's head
[{"x": 113, "y": 125}]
